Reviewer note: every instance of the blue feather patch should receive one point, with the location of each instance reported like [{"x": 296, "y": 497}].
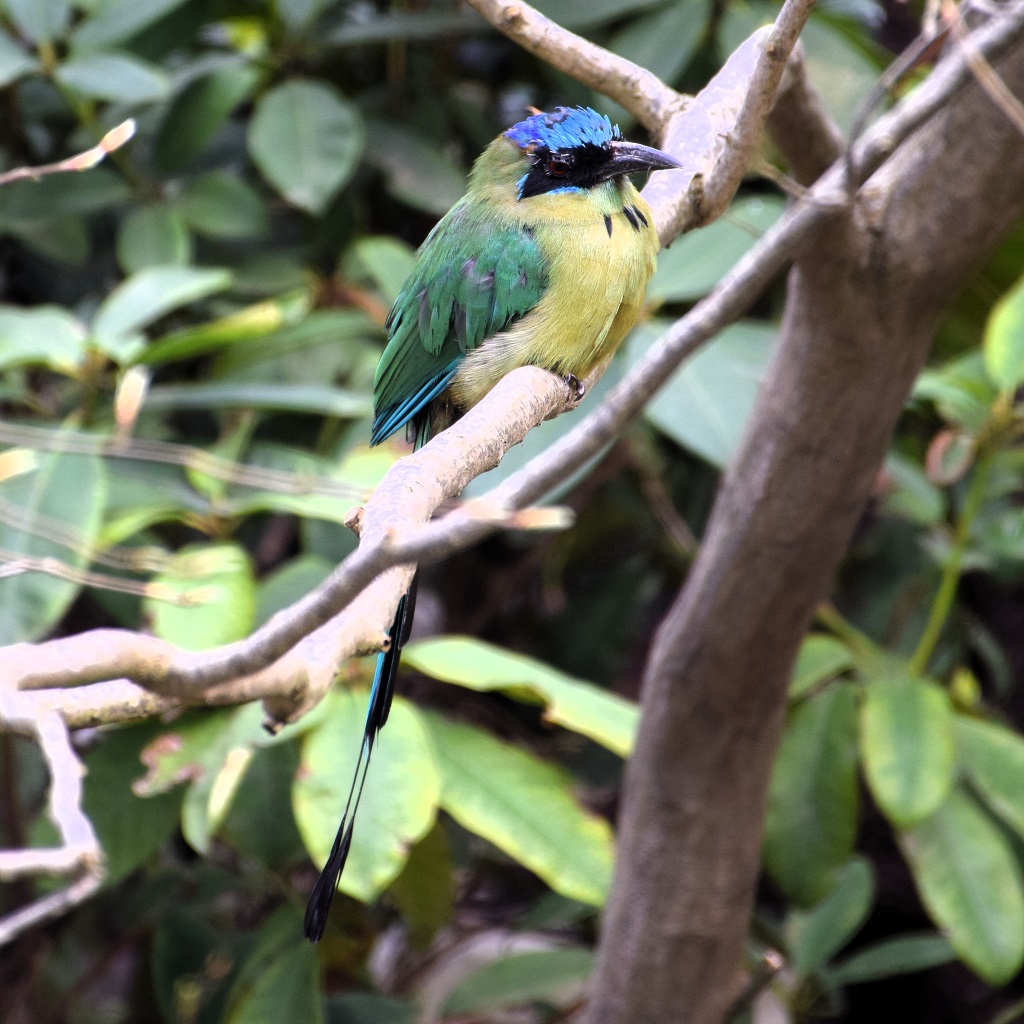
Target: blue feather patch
[
  {"x": 387, "y": 421},
  {"x": 564, "y": 128}
]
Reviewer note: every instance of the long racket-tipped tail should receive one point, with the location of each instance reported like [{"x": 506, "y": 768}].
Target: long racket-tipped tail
[{"x": 381, "y": 694}]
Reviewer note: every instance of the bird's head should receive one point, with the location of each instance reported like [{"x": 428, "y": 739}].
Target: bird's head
[{"x": 574, "y": 149}]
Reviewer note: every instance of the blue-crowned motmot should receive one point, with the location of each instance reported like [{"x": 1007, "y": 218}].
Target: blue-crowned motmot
[{"x": 544, "y": 262}]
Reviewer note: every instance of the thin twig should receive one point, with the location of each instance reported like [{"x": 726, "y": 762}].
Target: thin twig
[{"x": 114, "y": 139}]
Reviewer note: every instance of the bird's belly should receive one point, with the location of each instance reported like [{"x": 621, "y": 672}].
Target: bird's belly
[{"x": 594, "y": 298}]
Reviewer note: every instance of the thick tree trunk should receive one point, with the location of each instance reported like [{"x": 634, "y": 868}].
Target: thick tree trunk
[{"x": 862, "y": 305}]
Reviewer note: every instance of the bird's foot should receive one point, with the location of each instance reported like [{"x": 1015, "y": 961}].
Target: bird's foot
[{"x": 577, "y": 389}]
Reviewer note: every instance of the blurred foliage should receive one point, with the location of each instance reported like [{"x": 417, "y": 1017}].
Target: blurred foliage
[{"x": 187, "y": 344}]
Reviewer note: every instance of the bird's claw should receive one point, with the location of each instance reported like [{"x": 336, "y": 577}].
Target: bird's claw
[{"x": 577, "y": 389}]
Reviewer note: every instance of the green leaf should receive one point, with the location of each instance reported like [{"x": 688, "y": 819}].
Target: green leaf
[
  {"x": 1003, "y": 344},
  {"x": 130, "y": 828},
  {"x": 369, "y": 1008},
  {"x": 399, "y": 801},
  {"x": 14, "y": 61},
  {"x": 47, "y": 335},
  {"x": 909, "y": 494},
  {"x": 243, "y": 325},
  {"x": 812, "y": 806},
  {"x": 961, "y": 390},
  {"x": 198, "y": 112},
  {"x": 906, "y": 954},
  {"x": 993, "y": 757},
  {"x": 697, "y": 261},
  {"x": 279, "y": 983},
  {"x": 970, "y": 882},
  {"x": 604, "y": 717},
  {"x": 117, "y": 77},
  {"x": 324, "y": 401},
  {"x": 814, "y": 936},
  {"x": 324, "y": 344},
  {"x": 552, "y": 976},
  {"x": 386, "y": 261},
  {"x": 306, "y": 139},
  {"x": 907, "y": 747},
  {"x": 119, "y": 20},
  {"x": 215, "y": 584},
  {"x": 41, "y": 520},
  {"x": 418, "y": 172},
  {"x": 820, "y": 658},
  {"x": 287, "y": 583},
  {"x": 150, "y": 294},
  {"x": 523, "y": 806},
  {"x": 41, "y": 21},
  {"x": 705, "y": 405},
  {"x": 152, "y": 236},
  {"x": 211, "y": 751},
  {"x": 221, "y": 205},
  {"x": 59, "y": 195}
]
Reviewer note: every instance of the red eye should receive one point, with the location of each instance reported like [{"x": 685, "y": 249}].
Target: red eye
[{"x": 558, "y": 166}]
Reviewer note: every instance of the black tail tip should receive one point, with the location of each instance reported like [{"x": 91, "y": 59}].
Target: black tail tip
[{"x": 319, "y": 905}]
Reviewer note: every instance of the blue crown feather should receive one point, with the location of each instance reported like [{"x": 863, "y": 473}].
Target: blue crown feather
[{"x": 564, "y": 128}]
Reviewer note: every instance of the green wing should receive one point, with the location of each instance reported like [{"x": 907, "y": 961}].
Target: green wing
[{"x": 472, "y": 280}]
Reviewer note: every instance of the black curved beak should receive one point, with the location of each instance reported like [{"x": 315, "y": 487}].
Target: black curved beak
[{"x": 628, "y": 157}]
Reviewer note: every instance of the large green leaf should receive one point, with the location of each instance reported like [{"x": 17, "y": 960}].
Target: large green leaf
[
  {"x": 211, "y": 751},
  {"x": 306, "y": 139},
  {"x": 970, "y": 881},
  {"x": 47, "y": 335},
  {"x": 130, "y": 828},
  {"x": 705, "y": 405},
  {"x": 820, "y": 658},
  {"x": 694, "y": 263},
  {"x": 553, "y": 976},
  {"x": 961, "y": 390},
  {"x": 812, "y": 806},
  {"x": 205, "y": 596},
  {"x": 399, "y": 801},
  {"x": 279, "y": 982},
  {"x": 325, "y": 401},
  {"x": 148, "y": 295},
  {"x": 221, "y": 205},
  {"x": 418, "y": 171},
  {"x": 605, "y": 717},
  {"x": 199, "y": 111},
  {"x": 52, "y": 511},
  {"x": 118, "y": 77},
  {"x": 993, "y": 757},
  {"x": 905, "y": 954},
  {"x": 119, "y": 20},
  {"x": 1003, "y": 344},
  {"x": 814, "y": 936},
  {"x": 525, "y": 807},
  {"x": 59, "y": 195},
  {"x": 41, "y": 21},
  {"x": 907, "y": 747},
  {"x": 152, "y": 236},
  {"x": 14, "y": 61}
]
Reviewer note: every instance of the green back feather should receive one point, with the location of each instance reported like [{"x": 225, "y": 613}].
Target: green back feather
[{"x": 473, "y": 277}]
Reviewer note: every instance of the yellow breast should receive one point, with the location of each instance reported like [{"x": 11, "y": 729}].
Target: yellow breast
[{"x": 601, "y": 249}]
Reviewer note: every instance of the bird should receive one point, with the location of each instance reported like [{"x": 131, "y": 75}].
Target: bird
[{"x": 543, "y": 262}]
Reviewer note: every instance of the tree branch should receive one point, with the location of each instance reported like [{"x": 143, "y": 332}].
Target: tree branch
[{"x": 864, "y": 297}]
